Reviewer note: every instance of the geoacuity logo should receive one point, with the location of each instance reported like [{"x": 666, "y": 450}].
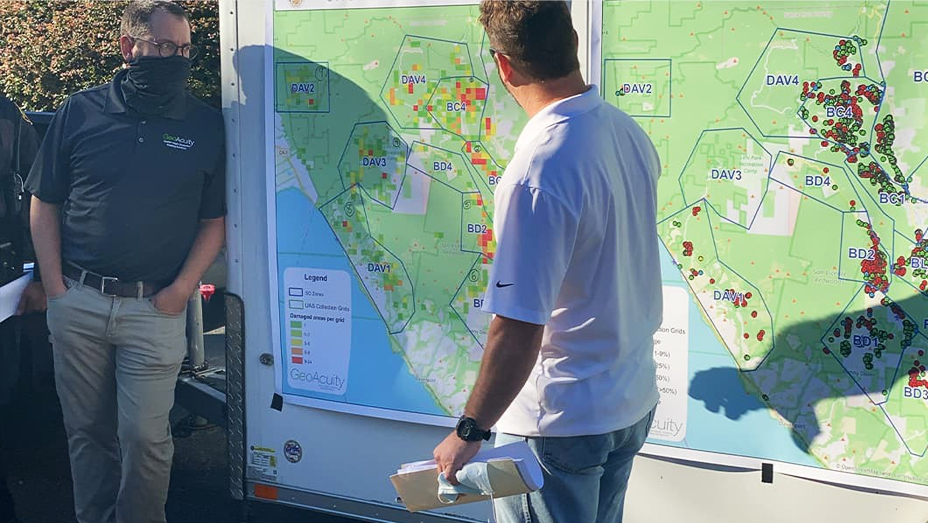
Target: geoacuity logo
[{"x": 177, "y": 142}]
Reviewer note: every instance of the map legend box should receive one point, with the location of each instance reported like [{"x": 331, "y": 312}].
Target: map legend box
[
  {"x": 319, "y": 338},
  {"x": 671, "y": 356}
]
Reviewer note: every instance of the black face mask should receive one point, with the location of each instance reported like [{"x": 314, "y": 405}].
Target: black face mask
[{"x": 153, "y": 84}]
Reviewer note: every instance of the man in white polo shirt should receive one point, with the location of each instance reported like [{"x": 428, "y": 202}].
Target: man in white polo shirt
[{"x": 575, "y": 285}]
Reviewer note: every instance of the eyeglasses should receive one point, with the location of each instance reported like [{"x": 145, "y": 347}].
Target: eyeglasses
[{"x": 168, "y": 49}]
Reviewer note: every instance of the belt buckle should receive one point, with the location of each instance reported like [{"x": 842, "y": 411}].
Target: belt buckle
[{"x": 103, "y": 280}]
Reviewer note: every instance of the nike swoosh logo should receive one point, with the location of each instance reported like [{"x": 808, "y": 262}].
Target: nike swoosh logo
[{"x": 503, "y": 285}]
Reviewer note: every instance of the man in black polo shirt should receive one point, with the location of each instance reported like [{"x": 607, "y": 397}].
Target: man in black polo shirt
[
  {"x": 18, "y": 143},
  {"x": 128, "y": 213}
]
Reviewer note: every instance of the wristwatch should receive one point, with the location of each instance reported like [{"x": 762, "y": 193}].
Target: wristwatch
[{"x": 467, "y": 430}]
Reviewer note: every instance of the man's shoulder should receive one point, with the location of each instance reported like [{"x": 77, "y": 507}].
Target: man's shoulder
[
  {"x": 197, "y": 108},
  {"x": 94, "y": 92},
  {"x": 90, "y": 97},
  {"x": 6, "y": 105},
  {"x": 10, "y": 111},
  {"x": 623, "y": 120}
]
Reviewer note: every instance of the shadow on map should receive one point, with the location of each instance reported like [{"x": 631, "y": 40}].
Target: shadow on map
[
  {"x": 308, "y": 98},
  {"x": 862, "y": 366}
]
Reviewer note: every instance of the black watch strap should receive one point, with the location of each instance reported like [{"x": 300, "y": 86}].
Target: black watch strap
[{"x": 468, "y": 430}]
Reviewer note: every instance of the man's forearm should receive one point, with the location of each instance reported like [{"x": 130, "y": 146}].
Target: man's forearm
[
  {"x": 209, "y": 241},
  {"x": 45, "y": 225},
  {"x": 511, "y": 352}
]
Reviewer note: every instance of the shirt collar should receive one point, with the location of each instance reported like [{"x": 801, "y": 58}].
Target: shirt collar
[
  {"x": 557, "y": 112},
  {"x": 115, "y": 102}
]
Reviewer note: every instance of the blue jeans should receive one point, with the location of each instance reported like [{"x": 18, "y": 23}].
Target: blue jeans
[{"x": 585, "y": 477}]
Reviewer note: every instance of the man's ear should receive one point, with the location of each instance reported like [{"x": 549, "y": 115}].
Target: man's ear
[
  {"x": 126, "y": 43},
  {"x": 505, "y": 67}
]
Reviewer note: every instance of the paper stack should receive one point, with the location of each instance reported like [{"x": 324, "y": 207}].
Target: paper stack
[{"x": 493, "y": 473}]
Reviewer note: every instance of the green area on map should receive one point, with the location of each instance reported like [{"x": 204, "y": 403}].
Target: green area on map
[
  {"x": 395, "y": 124},
  {"x": 793, "y": 200}
]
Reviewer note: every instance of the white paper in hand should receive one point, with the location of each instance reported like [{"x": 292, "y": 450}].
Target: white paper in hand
[
  {"x": 10, "y": 295},
  {"x": 474, "y": 477}
]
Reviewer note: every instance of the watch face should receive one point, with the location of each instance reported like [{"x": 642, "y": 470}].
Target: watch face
[{"x": 466, "y": 428}]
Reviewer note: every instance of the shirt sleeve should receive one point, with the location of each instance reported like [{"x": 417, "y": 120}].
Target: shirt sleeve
[
  {"x": 535, "y": 234},
  {"x": 50, "y": 177},
  {"x": 213, "y": 198}
]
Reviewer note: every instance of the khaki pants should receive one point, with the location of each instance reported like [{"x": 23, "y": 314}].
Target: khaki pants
[{"x": 116, "y": 363}]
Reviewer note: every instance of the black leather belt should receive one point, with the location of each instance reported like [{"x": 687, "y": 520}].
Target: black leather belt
[{"x": 109, "y": 285}]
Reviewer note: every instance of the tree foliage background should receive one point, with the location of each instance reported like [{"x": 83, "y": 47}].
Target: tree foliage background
[{"x": 50, "y": 49}]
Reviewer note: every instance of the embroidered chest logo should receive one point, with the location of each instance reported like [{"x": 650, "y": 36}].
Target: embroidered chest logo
[{"x": 177, "y": 142}]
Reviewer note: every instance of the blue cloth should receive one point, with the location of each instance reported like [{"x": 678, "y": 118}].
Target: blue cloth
[{"x": 585, "y": 477}]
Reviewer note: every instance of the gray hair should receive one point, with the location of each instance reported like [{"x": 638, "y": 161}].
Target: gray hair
[{"x": 136, "y": 19}]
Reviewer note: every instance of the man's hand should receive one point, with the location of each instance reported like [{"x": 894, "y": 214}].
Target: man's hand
[
  {"x": 33, "y": 299},
  {"x": 52, "y": 288},
  {"x": 172, "y": 299},
  {"x": 452, "y": 454}
]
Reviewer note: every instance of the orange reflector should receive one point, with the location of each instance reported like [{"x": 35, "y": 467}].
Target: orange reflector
[{"x": 266, "y": 492}]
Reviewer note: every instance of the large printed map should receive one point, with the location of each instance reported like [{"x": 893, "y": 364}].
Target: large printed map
[
  {"x": 391, "y": 130},
  {"x": 793, "y": 209}
]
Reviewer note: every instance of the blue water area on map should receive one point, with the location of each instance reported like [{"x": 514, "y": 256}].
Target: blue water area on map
[
  {"x": 377, "y": 377},
  {"x": 741, "y": 425}
]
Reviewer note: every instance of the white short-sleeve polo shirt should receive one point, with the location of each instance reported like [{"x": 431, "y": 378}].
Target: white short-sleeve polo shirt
[{"x": 577, "y": 251}]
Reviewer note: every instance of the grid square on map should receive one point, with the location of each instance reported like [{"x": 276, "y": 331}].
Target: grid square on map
[
  {"x": 638, "y": 86},
  {"x": 302, "y": 87}
]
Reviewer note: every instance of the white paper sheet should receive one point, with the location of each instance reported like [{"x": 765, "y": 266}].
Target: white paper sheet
[{"x": 10, "y": 294}]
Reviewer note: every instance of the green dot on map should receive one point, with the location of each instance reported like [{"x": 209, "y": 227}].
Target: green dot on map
[
  {"x": 882, "y": 158},
  {"x": 747, "y": 357},
  {"x": 831, "y": 91},
  {"x": 885, "y": 392},
  {"x": 765, "y": 397},
  {"x": 831, "y": 340},
  {"x": 834, "y": 187},
  {"x": 863, "y": 133},
  {"x": 679, "y": 265},
  {"x": 691, "y": 276}
]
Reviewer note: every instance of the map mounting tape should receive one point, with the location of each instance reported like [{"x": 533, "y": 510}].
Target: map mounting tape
[{"x": 766, "y": 473}]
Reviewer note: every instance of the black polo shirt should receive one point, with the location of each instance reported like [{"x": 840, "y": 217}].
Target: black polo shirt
[{"x": 133, "y": 188}]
